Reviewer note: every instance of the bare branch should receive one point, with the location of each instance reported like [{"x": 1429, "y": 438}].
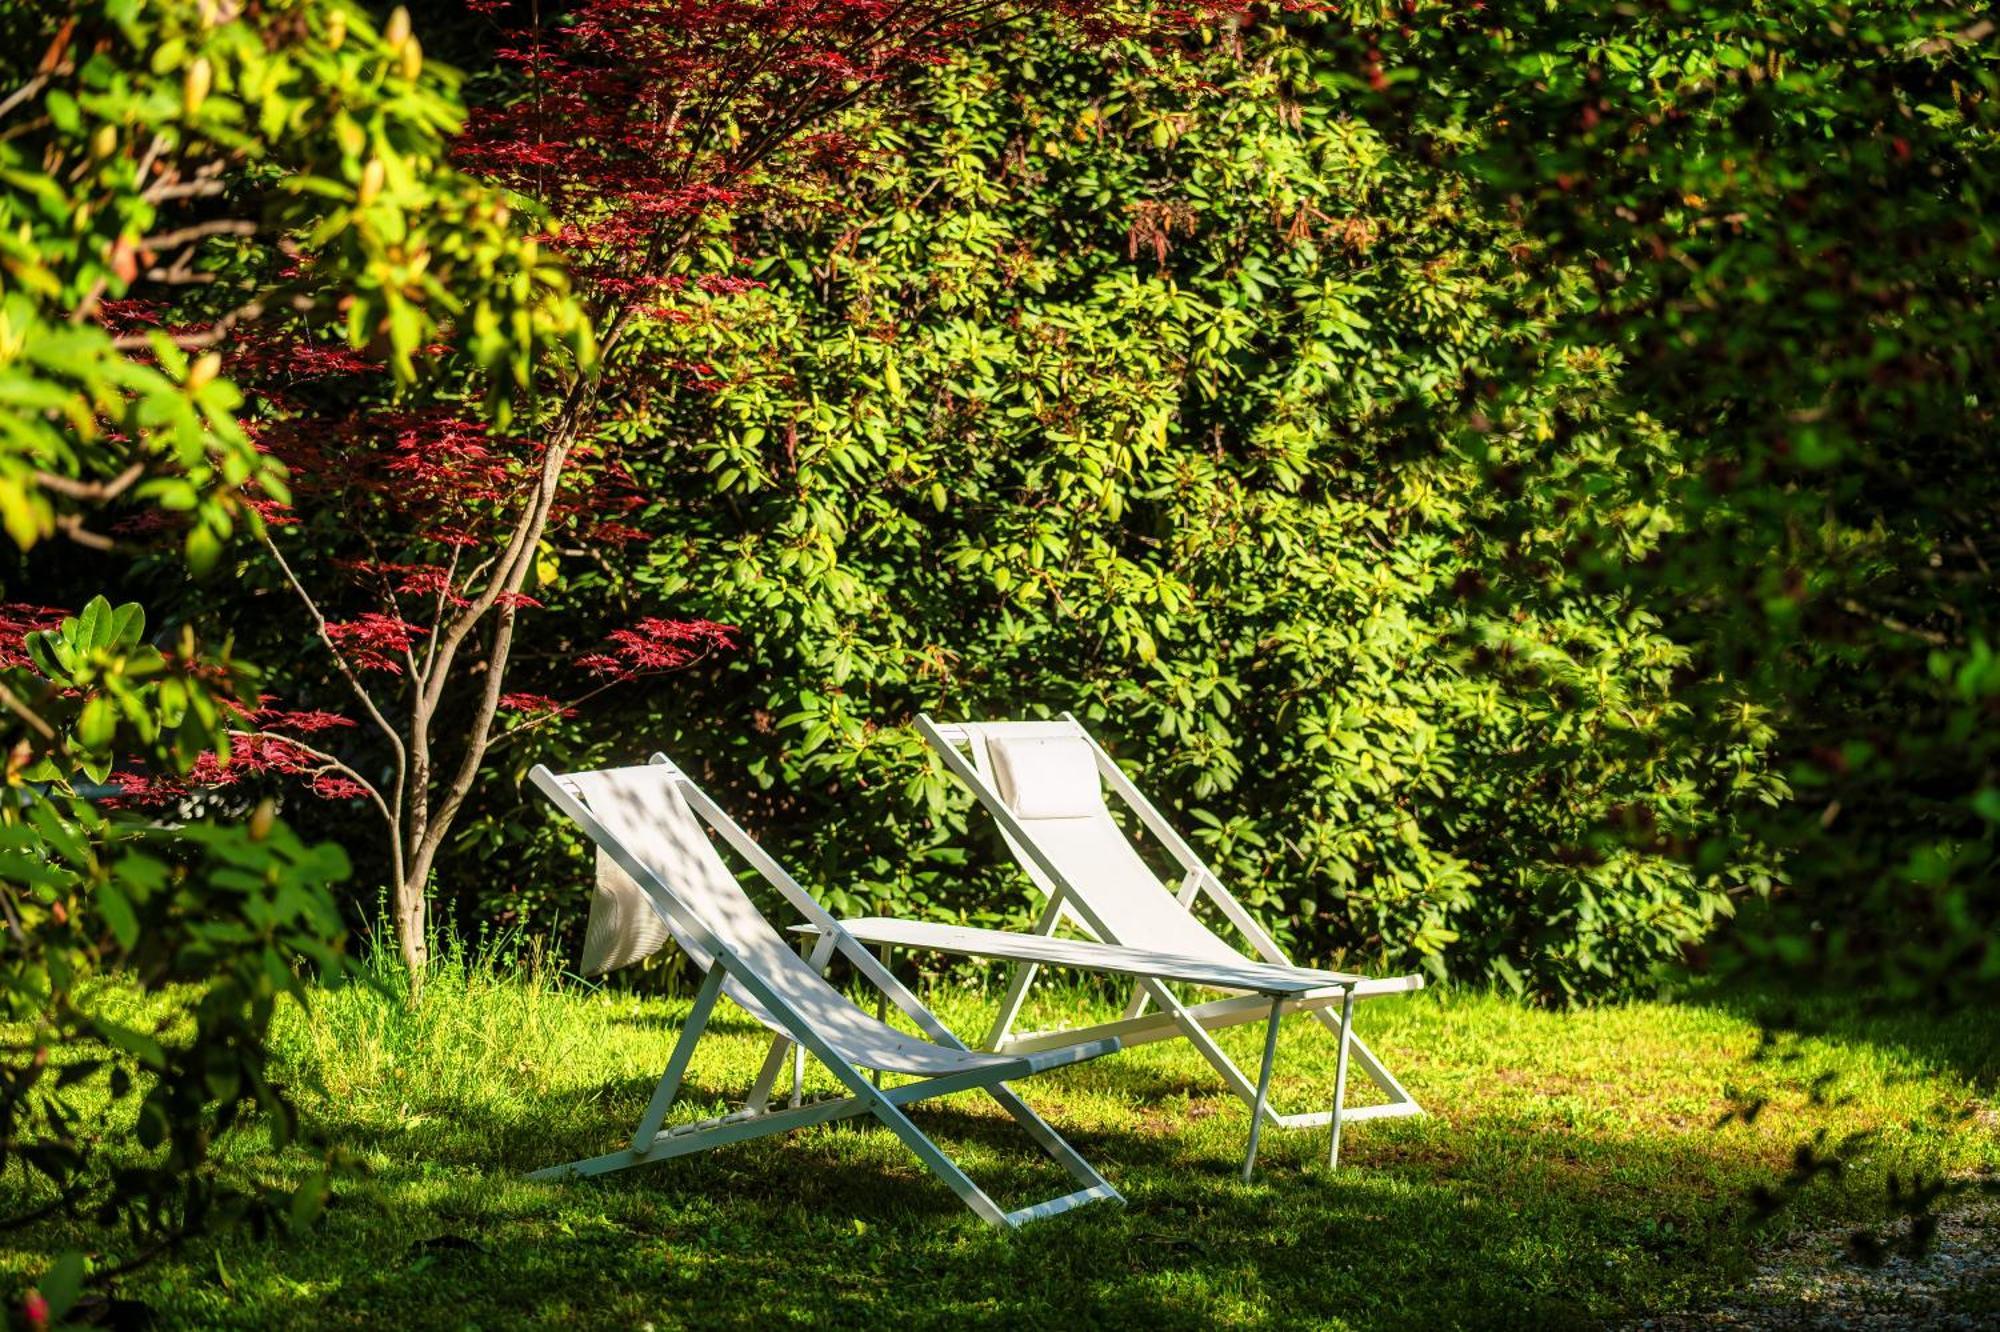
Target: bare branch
[
  {"x": 91, "y": 491},
  {"x": 226, "y": 226},
  {"x": 327, "y": 763},
  {"x": 14, "y": 704},
  {"x": 560, "y": 709},
  {"x": 179, "y": 276},
  {"x": 23, "y": 93},
  {"x": 1894, "y": 625},
  {"x": 1977, "y": 32},
  {"x": 190, "y": 189},
  {"x": 88, "y": 305},
  {"x": 515, "y": 559},
  {"x": 477, "y": 743},
  {"x": 443, "y": 600},
  {"x": 150, "y": 156},
  {"x": 339, "y": 659},
  {"x": 71, "y": 526},
  {"x": 208, "y": 337}
]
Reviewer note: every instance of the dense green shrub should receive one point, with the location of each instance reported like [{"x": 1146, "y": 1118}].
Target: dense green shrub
[
  {"x": 1163, "y": 385},
  {"x": 172, "y": 174},
  {"x": 233, "y": 913},
  {"x": 1116, "y": 387},
  {"x": 1787, "y": 215}
]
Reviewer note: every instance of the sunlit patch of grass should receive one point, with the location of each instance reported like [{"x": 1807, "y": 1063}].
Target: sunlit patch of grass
[{"x": 1574, "y": 1167}]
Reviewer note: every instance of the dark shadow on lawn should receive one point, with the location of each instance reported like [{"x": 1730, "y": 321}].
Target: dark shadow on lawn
[
  {"x": 1962, "y": 1042},
  {"x": 725, "y": 1021},
  {"x": 1150, "y": 1082},
  {"x": 586, "y": 1122},
  {"x": 1498, "y": 1227}
]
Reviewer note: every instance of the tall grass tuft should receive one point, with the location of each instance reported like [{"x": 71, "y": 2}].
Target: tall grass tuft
[{"x": 498, "y": 1023}]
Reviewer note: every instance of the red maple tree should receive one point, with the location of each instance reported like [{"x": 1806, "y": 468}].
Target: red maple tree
[{"x": 635, "y": 130}]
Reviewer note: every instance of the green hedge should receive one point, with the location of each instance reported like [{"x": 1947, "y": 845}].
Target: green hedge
[{"x": 1112, "y": 385}]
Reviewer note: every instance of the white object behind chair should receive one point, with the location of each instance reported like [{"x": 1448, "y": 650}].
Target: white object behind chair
[
  {"x": 645, "y": 810},
  {"x": 623, "y": 926}
]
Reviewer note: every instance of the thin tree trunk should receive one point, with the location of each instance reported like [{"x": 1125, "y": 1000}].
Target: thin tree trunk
[
  {"x": 412, "y": 936},
  {"x": 426, "y": 824},
  {"x": 415, "y": 868}
]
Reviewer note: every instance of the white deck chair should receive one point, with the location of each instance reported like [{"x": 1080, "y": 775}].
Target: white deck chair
[
  {"x": 1043, "y": 782},
  {"x": 644, "y": 820}
]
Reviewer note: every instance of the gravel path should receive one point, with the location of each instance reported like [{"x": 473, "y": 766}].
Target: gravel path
[{"x": 1809, "y": 1283}]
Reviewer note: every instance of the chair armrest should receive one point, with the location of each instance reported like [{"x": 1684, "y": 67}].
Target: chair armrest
[{"x": 1082, "y": 955}]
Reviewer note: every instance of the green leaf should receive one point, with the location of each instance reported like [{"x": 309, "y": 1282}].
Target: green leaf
[
  {"x": 98, "y": 723},
  {"x": 63, "y": 111},
  {"x": 62, "y": 1283},
  {"x": 65, "y": 838},
  {"x": 203, "y": 549},
  {"x": 95, "y": 625},
  {"x": 118, "y": 914},
  {"x": 128, "y": 624}
]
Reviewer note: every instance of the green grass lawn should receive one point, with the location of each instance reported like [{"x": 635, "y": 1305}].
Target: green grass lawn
[{"x": 1571, "y": 1171}]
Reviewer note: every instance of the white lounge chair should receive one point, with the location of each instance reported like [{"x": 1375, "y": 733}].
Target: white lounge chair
[
  {"x": 1043, "y": 783},
  {"x": 643, "y": 820}
]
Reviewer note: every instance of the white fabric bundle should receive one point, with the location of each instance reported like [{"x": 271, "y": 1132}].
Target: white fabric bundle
[{"x": 623, "y": 926}]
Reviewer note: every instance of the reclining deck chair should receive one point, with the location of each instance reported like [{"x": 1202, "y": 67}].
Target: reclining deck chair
[
  {"x": 643, "y": 820},
  {"x": 1043, "y": 783}
]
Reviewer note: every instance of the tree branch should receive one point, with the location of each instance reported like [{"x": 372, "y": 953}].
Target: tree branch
[
  {"x": 339, "y": 659},
  {"x": 208, "y": 337},
  {"x": 328, "y": 763},
  {"x": 23, "y": 93},
  {"x": 71, "y": 526},
  {"x": 187, "y": 189},
  {"x": 36, "y": 723},
  {"x": 560, "y": 709},
  {"x": 477, "y": 743},
  {"x": 95, "y": 492},
  {"x": 222, "y": 226}
]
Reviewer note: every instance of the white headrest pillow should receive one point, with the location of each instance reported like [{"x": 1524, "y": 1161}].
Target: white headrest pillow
[{"x": 1053, "y": 778}]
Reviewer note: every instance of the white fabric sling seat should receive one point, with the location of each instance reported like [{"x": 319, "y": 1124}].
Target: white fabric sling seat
[
  {"x": 1044, "y": 784},
  {"x": 644, "y": 822}
]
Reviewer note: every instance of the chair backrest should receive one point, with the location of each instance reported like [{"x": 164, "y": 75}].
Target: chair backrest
[
  {"x": 642, "y": 817},
  {"x": 1046, "y": 780}
]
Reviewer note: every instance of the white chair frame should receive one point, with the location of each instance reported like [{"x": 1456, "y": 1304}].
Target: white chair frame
[
  {"x": 653, "y": 1142},
  {"x": 1173, "y": 1018}
]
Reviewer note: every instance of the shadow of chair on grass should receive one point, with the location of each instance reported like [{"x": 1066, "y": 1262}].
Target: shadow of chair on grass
[
  {"x": 724, "y": 1021},
  {"x": 839, "y": 1226}
]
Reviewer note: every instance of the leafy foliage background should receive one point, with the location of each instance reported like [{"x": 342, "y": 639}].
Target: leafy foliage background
[
  {"x": 1114, "y": 384},
  {"x": 1513, "y": 487},
  {"x": 1518, "y": 487}
]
